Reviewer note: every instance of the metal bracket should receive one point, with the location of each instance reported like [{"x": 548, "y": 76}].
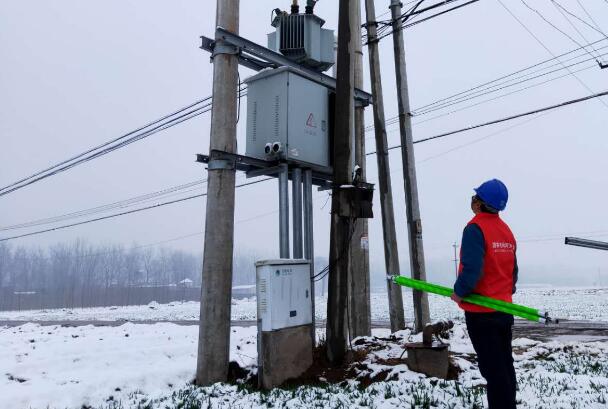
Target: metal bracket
[
  {"x": 224, "y": 48},
  {"x": 221, "y": 164},
  {"x": 257, "y": 57}
]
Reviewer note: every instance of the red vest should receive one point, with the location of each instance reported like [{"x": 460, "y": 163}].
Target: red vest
[{"x": 499, "y": 261}]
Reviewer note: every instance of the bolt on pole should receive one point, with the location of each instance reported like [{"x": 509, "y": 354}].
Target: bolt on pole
[
  {"x": 216, "y": 284},
  {"x": 414, "y": 224},
  {"x": 389, "y": 234}
]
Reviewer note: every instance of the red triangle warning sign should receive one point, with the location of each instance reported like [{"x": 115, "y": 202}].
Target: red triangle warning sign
[{"x": 311, "y": 121}]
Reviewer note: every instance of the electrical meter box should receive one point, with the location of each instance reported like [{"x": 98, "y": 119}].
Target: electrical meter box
[
  {"x": 283, "y": 294},
  {"x": 288, "y": 118}
]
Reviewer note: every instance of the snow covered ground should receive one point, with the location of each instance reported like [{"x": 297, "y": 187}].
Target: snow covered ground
[
  {"x": 570, "y": 303},
  {"x": 152, "y": 365}
]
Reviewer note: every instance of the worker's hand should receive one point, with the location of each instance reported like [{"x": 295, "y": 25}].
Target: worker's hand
[{"x": 456, "y": 298}]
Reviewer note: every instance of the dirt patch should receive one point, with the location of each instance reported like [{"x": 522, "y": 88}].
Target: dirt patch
[{"x": 369, "y": 361}]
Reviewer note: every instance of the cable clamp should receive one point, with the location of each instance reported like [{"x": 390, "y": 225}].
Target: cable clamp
[
  {"x": 221, "y": 47},
  {"x": 221, "y": 164}
]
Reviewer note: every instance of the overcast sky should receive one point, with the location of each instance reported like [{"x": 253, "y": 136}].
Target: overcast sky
[{"x": 75, "y": 74}]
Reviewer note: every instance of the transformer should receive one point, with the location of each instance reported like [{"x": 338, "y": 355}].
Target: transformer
[{"x": 301, "y": 38}]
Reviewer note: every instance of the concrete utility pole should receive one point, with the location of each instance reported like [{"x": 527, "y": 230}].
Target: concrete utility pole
[
  {"x": 339, "y": 251},
  {"x": 414, "y": 224},
  {"x": 391, "y": 253},
  {"x": 360, "y": 316},
  {"x": 216, "y": 285}
]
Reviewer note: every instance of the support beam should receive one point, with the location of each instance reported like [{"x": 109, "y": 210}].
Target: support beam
[
  {"x": 359, "y": 311},
  {"x": 216, "y": 283},
  {"x": 274, "y": 60},
  {"x": 339, "y": 252},
  {"x": 296, "y": 197},
  {"x": 309, "y": 244},
  {"x": 389, "y": 234},
  {"x": 284, "y": 211},
  {"x": 414, "y": 224}
]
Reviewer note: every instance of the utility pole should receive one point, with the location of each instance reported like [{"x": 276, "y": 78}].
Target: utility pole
[
  {"x": 391, "y": 253},
  {"x": 455, "y": 259},
  {"x": 414, "y": 224},
  {"x": 216, "y": 283},
  {"x": 339, "y": 252},
  {"x": 360, "y": 317}
]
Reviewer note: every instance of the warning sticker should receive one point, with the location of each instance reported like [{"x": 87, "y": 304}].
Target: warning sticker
[
  {"x": 310, "y": 122},
  {"x": 364, "y": 243}
]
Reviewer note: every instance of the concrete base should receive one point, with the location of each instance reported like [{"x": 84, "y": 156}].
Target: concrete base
[
  {"x": 431, "y": 360},
  {"x": 283, "y": 354}
]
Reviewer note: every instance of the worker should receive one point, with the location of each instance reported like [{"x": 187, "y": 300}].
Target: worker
[{"x": 488, "y": 266}]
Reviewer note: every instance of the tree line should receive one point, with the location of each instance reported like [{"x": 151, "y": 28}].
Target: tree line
[{"x": 83, "y": 274}]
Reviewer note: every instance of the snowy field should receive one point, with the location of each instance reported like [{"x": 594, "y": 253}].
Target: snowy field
[
  {"x": 152, "y": 365},
  {"x": 565, "y": 303}
]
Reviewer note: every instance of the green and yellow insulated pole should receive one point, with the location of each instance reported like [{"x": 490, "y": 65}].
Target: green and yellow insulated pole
[{"x": 521, "y": 311}]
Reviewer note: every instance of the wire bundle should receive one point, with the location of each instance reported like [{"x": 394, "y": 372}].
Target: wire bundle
[{"x": 188, "y": 112}]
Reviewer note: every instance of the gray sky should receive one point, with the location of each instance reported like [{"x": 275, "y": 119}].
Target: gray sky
[{"x": 76, "y": 74}]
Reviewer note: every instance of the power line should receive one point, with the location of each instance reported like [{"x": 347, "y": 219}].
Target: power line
[
  {"x": 520, "y": 71},
  {"x": 487, "y": 87},
  {"x": 497, "y": 87},
  {"x": 167, "y": 192},
  {"x": 548, "y": 50},
  {"x": 596, "y": 28},
  {"x": 561, "y": 11},
  {"x": 151, "y": 128},
  {"x": 482, "y": 138},
  {"x": 124, "y": 213},
  {"x": 509, "y": 118},
  {"x": 387, "y": 30},
  {"x": 553, "y": 25},
  {"x": 106, "y": 143}
]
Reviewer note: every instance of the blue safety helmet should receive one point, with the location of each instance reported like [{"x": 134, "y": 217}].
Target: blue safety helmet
[{"x": 493, "y": 193}]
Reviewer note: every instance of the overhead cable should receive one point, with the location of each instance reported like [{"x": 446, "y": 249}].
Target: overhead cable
[
  {"x": 164, "y": 193},
  {"x": 183, "y": 199},
  {"x": 188, "y": 112},
  {"x": 548, "y": 50},
  {"x": 509, "y": 118}
]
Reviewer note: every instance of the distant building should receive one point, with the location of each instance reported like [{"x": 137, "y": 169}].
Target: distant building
[{"x": 186, "y": 282}]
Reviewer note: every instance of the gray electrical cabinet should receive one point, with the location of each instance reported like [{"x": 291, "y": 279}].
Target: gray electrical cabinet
[{"x": 287, "y": 118}]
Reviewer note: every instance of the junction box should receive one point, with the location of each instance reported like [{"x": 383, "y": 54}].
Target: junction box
[{"x": 284, "y": 320}]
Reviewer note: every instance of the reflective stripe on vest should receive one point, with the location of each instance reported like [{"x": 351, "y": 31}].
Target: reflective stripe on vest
[{"x": 499, "y": 261}]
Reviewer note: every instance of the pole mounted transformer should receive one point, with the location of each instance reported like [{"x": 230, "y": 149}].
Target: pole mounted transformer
[{"x": 289, "y": 135}]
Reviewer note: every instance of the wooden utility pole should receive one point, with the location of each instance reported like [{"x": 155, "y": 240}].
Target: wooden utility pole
[
  {"x": 359, "y": 311},
  {"x": 414, "y": 224},
  {"x": 216, "y": 284},
  {"x": 391, "y": 253},
  {"x": 339, "y": 251}
]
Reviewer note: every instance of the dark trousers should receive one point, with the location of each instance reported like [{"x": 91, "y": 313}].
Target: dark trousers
[{"x": 491, "y": 336}]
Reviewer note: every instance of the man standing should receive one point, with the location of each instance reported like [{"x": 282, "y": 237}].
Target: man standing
[{"x": 488, "y": 266}]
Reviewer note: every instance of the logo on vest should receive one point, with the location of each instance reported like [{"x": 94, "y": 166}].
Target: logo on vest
[{"x": 502, "y": 247}]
